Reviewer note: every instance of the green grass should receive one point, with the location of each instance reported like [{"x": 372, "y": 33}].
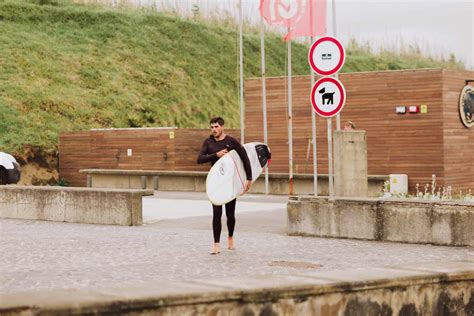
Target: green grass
[{"x": 73, "y": 67}]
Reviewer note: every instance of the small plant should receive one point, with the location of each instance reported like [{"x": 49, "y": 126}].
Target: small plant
[
  {"x": 386, "y": 189},
  {"x": 433, "y": 193},
  {"x": 63, "y": 182}
]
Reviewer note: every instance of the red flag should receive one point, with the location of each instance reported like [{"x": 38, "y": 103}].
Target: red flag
[{"x": 302, "y": 17}]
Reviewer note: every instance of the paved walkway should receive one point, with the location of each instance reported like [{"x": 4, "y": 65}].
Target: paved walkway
[{"x": 37, "y": 255}]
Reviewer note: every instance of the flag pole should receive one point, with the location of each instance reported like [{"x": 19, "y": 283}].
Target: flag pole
[
  {"x": 290, "y": 120},
  {"x": 338, "y": 124},
  {"x": 313, "y": 114},
  {"x": 241, "y": 73},
  {"x": 338, "y": 117},
  {"x": 264, "y": 94}
]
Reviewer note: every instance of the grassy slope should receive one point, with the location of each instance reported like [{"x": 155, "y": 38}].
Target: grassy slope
[{"x": 72, "y": 67}]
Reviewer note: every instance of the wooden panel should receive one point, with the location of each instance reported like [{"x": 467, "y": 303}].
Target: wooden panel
[
  {"x": 188, "y": 143},
  {"x": 152, "y": 149},
  {"x": 415, "y": 144},
  {"x": 458, "y": 140},
  {"x": 74, "y": 154},
  {"x": 410, "y": 143}
]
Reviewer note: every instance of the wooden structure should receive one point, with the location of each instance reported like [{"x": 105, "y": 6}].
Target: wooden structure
[
  {"x": 419, "y": 144},
  {"x": 165, "y": 148}
]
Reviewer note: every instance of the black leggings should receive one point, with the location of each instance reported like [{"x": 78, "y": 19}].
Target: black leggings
[{"x": 216, "y": 219}]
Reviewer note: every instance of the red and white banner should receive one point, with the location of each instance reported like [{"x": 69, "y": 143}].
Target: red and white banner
[{"x": 301, "y": 17}]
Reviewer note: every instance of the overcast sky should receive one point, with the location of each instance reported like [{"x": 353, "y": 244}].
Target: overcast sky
[{"x": 437, "y": 27}]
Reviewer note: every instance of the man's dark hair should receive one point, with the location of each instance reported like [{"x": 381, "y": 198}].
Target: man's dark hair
[{"x": 219, "y": 120}]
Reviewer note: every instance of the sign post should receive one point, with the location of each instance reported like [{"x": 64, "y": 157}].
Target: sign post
[{"x": 328, "y": 96}]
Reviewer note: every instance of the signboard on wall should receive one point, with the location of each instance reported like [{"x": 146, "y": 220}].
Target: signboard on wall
[{"x": 466, "y": 106}]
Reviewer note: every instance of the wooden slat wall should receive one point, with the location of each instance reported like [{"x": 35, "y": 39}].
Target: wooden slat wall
[
  {"x": 107, "y": 149},
  {"x": 411, "y": 144},
  {"x": 152, "y": 149},
  {"x": 188, "y": 143},
  {"x": 458, "y": 140},
  {"x": 74, "y": 154}
]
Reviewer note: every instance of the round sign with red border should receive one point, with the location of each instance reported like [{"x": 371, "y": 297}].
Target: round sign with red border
[
  {"x": 326, "y": 56},
  {"x": 328, "y": 97}
]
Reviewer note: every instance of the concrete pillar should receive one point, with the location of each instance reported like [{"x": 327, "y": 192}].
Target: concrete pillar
[
  {"x": 155, "y": 182},
  {"x": 350, "y": 163}
]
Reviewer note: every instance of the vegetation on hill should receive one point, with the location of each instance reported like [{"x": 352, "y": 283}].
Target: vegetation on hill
[{"x": 66, "y": 67}]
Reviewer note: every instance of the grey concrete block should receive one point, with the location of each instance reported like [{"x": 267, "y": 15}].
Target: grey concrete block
[
  {"x": 77, "y": 205},
  {"x": 412, "y": 221},
  {"x": 350, "y": 164},
  {"x": 357, "y": 219},
  {"x": 406, "y": 221}
]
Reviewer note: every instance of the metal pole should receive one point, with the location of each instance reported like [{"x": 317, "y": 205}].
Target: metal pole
[
  {"x": 313, "y": 118},
  {"x": 330, "y": 171},
  {"x": 338, "y": 117},
  {"x": 290, "y": 120},
  {"x": 264, "y": 94},
  {"x": 315, "y": 157},
  {"x": 241, "y": 74}
]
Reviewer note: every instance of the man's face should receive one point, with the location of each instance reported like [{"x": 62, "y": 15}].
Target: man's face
[{"x": 216, "y": 129}]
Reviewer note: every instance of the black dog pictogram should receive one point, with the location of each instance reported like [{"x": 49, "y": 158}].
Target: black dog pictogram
[{"x": 327, "y": 96}]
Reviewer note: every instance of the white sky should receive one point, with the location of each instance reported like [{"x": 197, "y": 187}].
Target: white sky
[{"x": 437, "y": 27}]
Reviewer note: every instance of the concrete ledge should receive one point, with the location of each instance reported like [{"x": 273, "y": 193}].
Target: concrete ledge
[
  {"x": 441, "y": 288},
  {"x": 74, "y": 205},
  {"x": 411, "y": 221},
  {"x": 196, "y": 181}
]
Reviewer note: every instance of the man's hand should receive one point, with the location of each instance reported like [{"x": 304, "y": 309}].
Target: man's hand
[
  {"x": 248, "y": 184},
  {"x": 221, "y": 153}
]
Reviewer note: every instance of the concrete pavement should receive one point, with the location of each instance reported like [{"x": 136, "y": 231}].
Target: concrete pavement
[{"x": 38, "y": 256}]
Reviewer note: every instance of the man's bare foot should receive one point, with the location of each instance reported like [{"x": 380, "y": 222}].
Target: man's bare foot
[
  {"x": 216, "y": 249},
  {"x": 230, "y": 243}
]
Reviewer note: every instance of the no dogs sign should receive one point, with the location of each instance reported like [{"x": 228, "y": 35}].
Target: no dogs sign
[
  {"x": 328, "y": 97},
  {"x": 326, "y": 56}
]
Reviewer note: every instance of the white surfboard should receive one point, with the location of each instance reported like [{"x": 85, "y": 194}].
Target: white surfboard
[{"x": 226, "y": 179}]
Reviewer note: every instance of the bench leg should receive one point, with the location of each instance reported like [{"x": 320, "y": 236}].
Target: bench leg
[{"x": 144, "y": 178}]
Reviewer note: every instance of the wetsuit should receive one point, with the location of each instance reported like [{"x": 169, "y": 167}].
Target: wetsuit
[{"x": 208, "y": 153}]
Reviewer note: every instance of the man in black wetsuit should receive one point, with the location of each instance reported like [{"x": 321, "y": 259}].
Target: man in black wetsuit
[{"x": 213, "y": 148}]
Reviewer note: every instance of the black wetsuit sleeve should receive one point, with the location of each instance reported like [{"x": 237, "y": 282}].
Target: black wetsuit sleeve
[
  {"x": 204, "y": 155},
  {"x": 245, "y": 159}
]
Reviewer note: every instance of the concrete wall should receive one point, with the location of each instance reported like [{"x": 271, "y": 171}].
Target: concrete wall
[
  {"x": 439, "y": 289},
  {"x": 196, "y": 181},
  {"x": 74, "y": 205},
  {"x": 440, "y": 223},
  {"x": 350, "y": 163}
]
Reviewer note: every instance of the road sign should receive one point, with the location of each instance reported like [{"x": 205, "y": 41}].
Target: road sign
[
  {"x": 328, "y": 96},
  {"x": 326, "y": 56}
]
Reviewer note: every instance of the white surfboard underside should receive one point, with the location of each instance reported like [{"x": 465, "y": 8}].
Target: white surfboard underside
[{"x": 226, "y": 179}]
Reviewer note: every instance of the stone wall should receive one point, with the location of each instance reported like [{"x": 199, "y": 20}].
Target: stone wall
[
  {"x": 74, "y": 205},
  {"x": 438, "y": 289},
  {"x": 440, "y": 223}
]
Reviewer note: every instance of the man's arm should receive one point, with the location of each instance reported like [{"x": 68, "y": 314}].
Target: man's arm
[
  {"x": 245, "y": 159},
  {"x": 204, "y": 156}
]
